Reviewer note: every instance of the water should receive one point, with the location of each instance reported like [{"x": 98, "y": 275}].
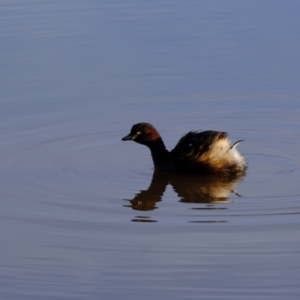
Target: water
[{"x": 82, "y": 216}]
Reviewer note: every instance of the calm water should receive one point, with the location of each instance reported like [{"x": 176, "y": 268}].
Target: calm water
[{"x": 82, "y": 215}]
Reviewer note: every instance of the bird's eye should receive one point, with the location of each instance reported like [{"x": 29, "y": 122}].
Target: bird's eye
[{"x": 138, "y": 132}]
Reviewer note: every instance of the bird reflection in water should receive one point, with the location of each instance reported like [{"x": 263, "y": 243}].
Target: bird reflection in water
[{"x": 189, "y": 188}]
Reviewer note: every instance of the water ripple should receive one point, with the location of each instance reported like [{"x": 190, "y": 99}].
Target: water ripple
[{"x": 94, "y": 173}]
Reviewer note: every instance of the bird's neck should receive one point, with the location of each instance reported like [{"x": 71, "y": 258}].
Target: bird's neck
[{"x": 158, "y": 151}]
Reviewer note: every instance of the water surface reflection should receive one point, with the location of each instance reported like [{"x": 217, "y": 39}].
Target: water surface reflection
[{"x": 189, "y": 188}]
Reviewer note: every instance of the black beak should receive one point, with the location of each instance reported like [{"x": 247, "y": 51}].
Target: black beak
[{"x": 127, "y": 137}]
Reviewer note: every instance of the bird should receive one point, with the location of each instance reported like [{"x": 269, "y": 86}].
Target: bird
[{"x": 197, "y": 152}]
